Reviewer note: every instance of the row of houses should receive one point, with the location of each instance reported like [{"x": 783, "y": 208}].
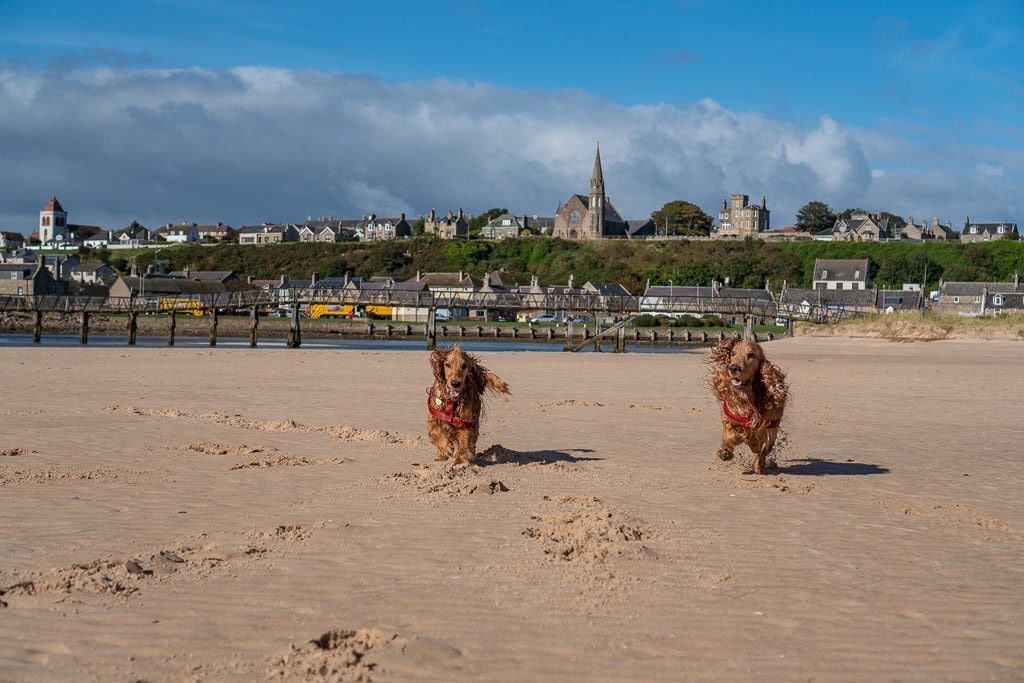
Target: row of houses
[{"x": 838, "y": 284}]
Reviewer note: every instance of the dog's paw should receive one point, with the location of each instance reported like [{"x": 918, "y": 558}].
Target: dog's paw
[{"x": 724, "y": 454}]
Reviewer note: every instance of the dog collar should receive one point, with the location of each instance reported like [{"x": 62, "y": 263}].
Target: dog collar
[
  {"x": 445, "y": 410},
  {"x": 745, "y": 420}
]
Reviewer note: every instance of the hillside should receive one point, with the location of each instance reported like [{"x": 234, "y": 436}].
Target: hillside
[{"x": 630, "y": 263}]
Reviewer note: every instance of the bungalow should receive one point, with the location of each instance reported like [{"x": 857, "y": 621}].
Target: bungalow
[
  {"x": 182, "y": 233},
  {"x": 101, "y": 239}
]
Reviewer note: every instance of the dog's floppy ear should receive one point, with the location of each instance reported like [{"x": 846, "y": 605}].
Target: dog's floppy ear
[
  {"x": 437, "y": 357},
  {"x": 719, "y": 355},
  {"x": 774, "y": 381}
]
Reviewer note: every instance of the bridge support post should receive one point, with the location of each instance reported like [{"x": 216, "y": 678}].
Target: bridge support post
[
  {"x": 133, "y": 327},
  {"x": 789, "y": 326},
  {"x": 294, "y": 331},
  {"x": 748, "y": 326},
  {"x": 431, "y": 329},
  {"x": 37, "y": 327},
  {"x": 213, "y": 326},
  {"x": 254, "y": 323},
  {"x": 569, "y": 346},
  {"x": 83, "y": 332},
  {"x": 172, "y": 322},
  {"x": 620, "y": 340}
]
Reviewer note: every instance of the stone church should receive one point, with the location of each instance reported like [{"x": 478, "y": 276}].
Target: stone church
[{"x": 589, "y": 217}]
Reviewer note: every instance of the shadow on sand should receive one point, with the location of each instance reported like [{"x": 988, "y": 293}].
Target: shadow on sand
[
  {"x": 814, "y": 467},
  {"x": 499, "y": 455}
]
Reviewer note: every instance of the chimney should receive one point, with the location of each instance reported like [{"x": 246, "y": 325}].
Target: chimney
[
  {"x": 571, "y": 278},
  {"x": 462, "y": 275},
  {"x": 314, "y": 279},
  {"x": 248, "y": 279},
  {"x": 188, "y": 273},
  {"x": 284, "y": 279},
  {"x": 419, "y": 276},
  {"x": 346, "y": 278}
]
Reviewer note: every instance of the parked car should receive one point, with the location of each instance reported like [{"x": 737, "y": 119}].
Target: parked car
[{"x": 541, "y": 319}]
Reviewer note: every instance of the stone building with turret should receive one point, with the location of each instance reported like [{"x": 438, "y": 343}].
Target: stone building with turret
[
  {"x": 738, "y": 218},
  {"x": 590, "y": 217},
  {"x": 446, "y": 227}
]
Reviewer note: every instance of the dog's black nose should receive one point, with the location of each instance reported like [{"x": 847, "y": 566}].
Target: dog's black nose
[
  {"x": 455, "y": 383},
  {"x": 734, "y": 369}
]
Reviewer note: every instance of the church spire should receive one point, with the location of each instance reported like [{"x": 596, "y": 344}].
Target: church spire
[
  {"x": 595, "y": 227},
  {"x": 597, "y": 179}
]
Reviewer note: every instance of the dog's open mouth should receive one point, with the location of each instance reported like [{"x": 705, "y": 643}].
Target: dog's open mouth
[
  {"x": 737, "y": 382},
  {"x": 452, "y": 393}
]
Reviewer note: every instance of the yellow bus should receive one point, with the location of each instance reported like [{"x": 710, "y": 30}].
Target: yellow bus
[
  {"x": 347, "y": 311},
  {"x": 183, "y": 304}
]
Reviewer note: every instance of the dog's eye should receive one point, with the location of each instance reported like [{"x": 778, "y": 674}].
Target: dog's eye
[{"x": 751, "y": 356}]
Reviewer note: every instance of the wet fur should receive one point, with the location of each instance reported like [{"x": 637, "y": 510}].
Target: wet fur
[
  {"x": 456, "y": 370},
  {"x": 762, "y": 397}
]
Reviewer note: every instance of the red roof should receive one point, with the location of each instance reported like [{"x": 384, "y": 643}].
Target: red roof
[{"x": 53, "y": 205}]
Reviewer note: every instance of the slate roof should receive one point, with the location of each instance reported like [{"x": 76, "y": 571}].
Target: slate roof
[{"x": 841, "y": 269}]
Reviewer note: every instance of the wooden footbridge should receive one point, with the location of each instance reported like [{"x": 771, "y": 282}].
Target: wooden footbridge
[{"x": 420, "y": 306}]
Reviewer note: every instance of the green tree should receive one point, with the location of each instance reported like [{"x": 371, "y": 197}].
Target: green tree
[
  {"x": 814, "y": 217},
  {"x": 418, "y": 228},
  {"x": 681, "y": 218}
]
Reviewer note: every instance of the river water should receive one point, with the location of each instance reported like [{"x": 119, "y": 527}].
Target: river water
[{"x": 475, "y": 345}]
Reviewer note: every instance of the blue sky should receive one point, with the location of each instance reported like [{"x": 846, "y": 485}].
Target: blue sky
[{"x": 162, "y": 111}]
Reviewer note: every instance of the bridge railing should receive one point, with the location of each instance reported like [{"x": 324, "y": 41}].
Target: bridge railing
[{"x": 589, "y": 303}]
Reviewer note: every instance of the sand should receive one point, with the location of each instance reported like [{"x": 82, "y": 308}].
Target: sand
[{"x": 235, "y": 515}]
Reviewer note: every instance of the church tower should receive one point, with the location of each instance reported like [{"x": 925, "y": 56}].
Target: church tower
[
  {"x": 595, "y": 227},
  {"x": 53, "y": 221}
]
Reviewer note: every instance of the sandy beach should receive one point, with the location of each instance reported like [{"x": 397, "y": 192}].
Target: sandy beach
[{"x": 183, "y": 514}]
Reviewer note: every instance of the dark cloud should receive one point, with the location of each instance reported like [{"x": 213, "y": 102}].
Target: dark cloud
[{"x": 252, "y": 144}]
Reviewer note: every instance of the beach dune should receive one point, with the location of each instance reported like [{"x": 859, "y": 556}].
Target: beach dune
[{"x": 176, "y": 514}]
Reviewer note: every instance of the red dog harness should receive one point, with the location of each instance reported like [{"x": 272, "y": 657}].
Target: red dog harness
[
  {"x": 447, "y": 412},
  {"x": 745, "y": 420}
]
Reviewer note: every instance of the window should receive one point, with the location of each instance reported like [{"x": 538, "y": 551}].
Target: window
[
  {"x": 1002, "y": 229},
  {"x": 956, "y": 299},
  {"x": 574, "y": 218},
  {"x": 839, "y": 285},
  {"x": 997, "y": 300},
  {"x": 856, "y": 285},
  {"x": 46, "y": 221},
  {"x": 974, "y": 230}
]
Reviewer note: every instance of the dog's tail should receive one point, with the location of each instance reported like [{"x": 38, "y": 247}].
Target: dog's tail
[{"x": 496, "y": 384}]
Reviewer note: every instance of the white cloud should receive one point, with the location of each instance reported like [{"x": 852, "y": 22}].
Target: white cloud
[{"x": 252, "y": 144}]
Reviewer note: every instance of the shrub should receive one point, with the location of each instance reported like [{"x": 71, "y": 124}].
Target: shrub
[
  {"x": 688, "y": 321},
  {"x": 646, "y": 320}
]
